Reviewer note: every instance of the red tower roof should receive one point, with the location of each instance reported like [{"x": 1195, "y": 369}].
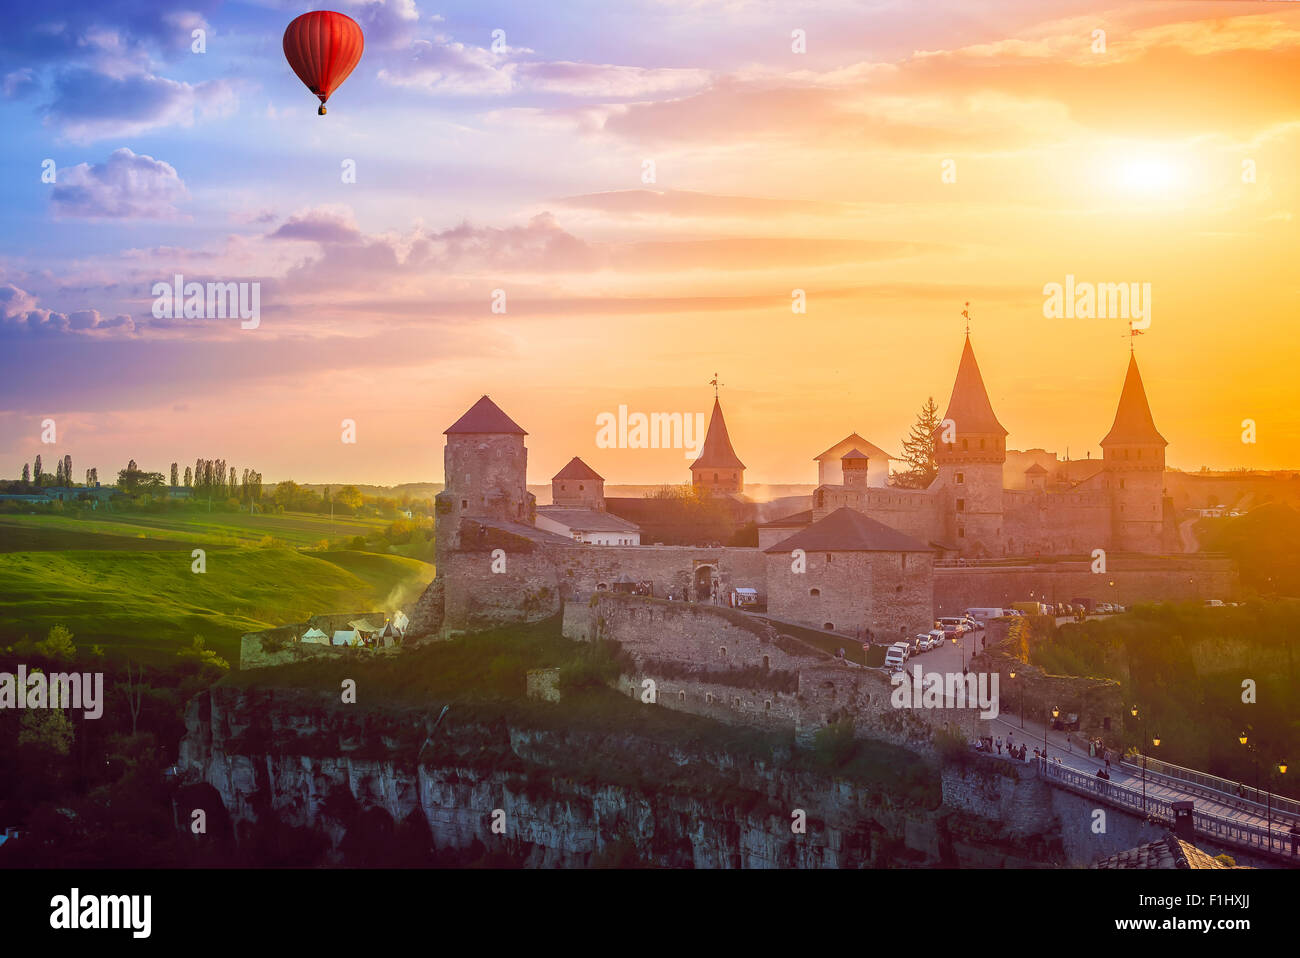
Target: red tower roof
[
  {"x": 485, "y": 416},
  {"x": 577, "y": 469},
  {"x": 1133, "y": 422},
  {"x": 969, "y": 406},
  {"x": 717, "y": 452}
]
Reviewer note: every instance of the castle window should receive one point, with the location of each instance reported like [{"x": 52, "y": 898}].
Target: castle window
[
  {"x": 961, "y": 477},
  {"x": 981, "y": 443},
  {"x": 681, "y": 696},
  {"x": 814, "y": 592},
  {"x": 961, "y": 505},
  {"x": 828, "y": 557},
  {"x": 715, "y": 477},
  {"x": 562, "y": 487},
  {"x": 961, "y": 533},
  {"x": 722, "y": 652},
  {"x": 581, "y": 487},
  {"x": 464, "y": 503},
  {"x": 767, "y": 662},
  {"x": 767, "y": 705},
  {"x": 708, "y": 697},
  {"x": 965, "y": 444},
  {"x": 902, "y": 561},
  {"x": 736, "y": 701},
  {"x": 828, "y": 626},
  {"x": 1121, "y": 483}
]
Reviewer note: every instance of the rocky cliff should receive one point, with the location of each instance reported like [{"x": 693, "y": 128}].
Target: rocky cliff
[{"x": 514, "y": 788}]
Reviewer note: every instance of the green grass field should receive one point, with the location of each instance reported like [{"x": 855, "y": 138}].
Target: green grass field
[
  {"x": 126, "y": 582},
  {"x": 20, "y": 533}
]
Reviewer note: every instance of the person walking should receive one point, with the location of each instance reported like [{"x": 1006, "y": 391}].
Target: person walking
[{"x": 999, "y": 744}]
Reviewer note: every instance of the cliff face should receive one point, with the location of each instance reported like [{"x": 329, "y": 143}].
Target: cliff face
[{"x": 551, "y": 797}]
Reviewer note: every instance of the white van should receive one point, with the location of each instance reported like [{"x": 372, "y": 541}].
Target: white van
[
  {"x": 984, "y": 614},
  {"x": 896, "y": 655}
]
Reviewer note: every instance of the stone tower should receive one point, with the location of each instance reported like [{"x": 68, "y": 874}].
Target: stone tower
[
  {"x": 1134, "y": 456},
  {"x": 578, "y": 486},
  {"x": 970, "y": 465},
  {"x": 854, "y": 466},
  {"x": 719, "y": 469},
  {"x": 484, "y": 466}
]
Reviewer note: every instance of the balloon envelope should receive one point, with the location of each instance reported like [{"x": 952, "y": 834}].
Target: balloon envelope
[{"x": 323, "y": 47}]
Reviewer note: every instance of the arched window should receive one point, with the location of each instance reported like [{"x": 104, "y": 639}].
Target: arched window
[
  {"x": 722, "y": 652},
  {"x": 767, "y": 662},
  {"x": 828, "y": 626},
  {"x": 581, "y": 487},
  {"x": 814, "y": 592}
]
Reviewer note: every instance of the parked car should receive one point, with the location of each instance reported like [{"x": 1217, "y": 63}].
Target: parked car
[
  {"x": 937, "y": 637},
  {"x": 953, "y": 623},
  {"x": 1213, "y": 603},
  {"x": 896, "y": 656}
]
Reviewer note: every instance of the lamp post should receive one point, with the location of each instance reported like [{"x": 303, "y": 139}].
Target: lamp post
[
  {"x": 1022, "y": 698},
  {"x": 1056, "y": 711},
  {"x": 1278, "y": 767},
  {"x": 1142, "y": 724}
]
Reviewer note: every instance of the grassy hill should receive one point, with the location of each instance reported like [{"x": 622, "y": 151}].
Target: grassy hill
[{"x": 125, "y": 582}]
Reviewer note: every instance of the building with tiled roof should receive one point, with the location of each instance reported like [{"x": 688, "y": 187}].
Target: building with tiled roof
[
  {"x": 1168, "y": 852},
  {"x": 578, "y": 486}
]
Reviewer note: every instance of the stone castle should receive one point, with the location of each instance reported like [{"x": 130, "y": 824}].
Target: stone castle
[{"x": 874, "y": 559}]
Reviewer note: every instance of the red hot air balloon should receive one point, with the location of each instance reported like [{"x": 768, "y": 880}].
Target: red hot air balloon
[{"x": 323, "y": 47}]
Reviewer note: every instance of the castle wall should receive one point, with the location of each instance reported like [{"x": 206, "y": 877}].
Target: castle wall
[
  {"x": 679, "y": 647},
  {"x": 911, "y": 511},
  {"x": 1136, "y": 578},
  {"x": 1055, "y": 523}
]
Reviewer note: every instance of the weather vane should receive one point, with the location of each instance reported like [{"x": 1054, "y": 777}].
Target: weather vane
[
  {"x": 715, "y": 384},
  {"x": 966, "y": 315},
  {"x": 1133, "y": 331}
]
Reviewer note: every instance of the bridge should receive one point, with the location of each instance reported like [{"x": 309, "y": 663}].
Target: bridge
[{"x": 1274, "y": 844}]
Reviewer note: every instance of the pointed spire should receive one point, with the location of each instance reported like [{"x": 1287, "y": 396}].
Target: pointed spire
[
  {"x": 717, "y": 452},
  {"x": 1133, "y": 421},
  {"x": 969, "y": 406}
]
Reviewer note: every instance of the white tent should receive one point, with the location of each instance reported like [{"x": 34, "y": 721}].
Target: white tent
[
  {"x": 346, "y": 637},
  {"x": 400, "y": 621},
  {"x": 316, "y": 636}
]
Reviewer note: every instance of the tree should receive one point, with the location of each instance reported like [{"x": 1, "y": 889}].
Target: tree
[
  {"x": 36, "y": 471},
  {"x": 27, "y": 473},
  {"x": 133, "y": 478},
  {"x": 349, "y": 496},
  {"x": 176, "y": 474},
  {"x": 198, "y": 650},
  {"x": 189, "y": 477},
  {"x": 134, "y": 690},
  {"x": 918, "y": 449},
  {"x": 47, "y": 730},
  {"x": 67, "y": 469},
  {"x": 57, "y": 644},
  {"x": 58, "y": 473}
]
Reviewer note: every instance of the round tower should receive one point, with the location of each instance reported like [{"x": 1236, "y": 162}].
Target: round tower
[
  {"x": 1133, "y": 454},
  {"x": 969, "y": 449}
]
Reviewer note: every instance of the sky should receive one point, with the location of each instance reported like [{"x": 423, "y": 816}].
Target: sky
[{"x": 641, "y": 187}]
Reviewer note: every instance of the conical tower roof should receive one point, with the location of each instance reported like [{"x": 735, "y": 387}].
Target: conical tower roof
[
  {"x": 485, "y": 416},
  {"x": 717, "y": 452},
  {"x": 1133, "y": 422},
  {"x": 969, "y": 406}
]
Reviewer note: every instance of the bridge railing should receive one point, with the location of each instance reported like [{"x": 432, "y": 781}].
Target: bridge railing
[
  {"x": 1223, "y": 790},
  {"x": 1224, "y": 830}
]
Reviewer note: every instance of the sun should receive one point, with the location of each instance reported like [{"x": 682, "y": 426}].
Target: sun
[{"x": 1149, "y": 174}]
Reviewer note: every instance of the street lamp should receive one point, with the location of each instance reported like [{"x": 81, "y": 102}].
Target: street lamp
[
  {"x": 1143, "y": 726},
  {"x": 1056, "y": 712},
  {"x": 1278, "y": 767},
  {"x": 1022, "y": 699}
]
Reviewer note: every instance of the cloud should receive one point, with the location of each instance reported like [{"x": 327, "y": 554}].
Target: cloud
[
  {"x": 19, "y": 83},
  {"x": 686, "y": 203},
  {"x": 21, "y": 317},
  {"x": 89, "y": 105},
  {"x": 125, "y": 186},
  {"x": 444, "y": 66},
  {"x": 608, "y": 80},
  {"x": 320, "y": 225}
]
